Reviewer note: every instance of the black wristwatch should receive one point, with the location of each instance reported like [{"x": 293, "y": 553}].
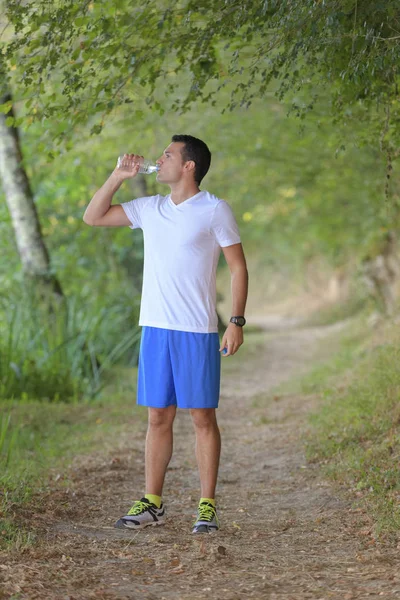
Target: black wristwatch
[{"x": 239, "y": 321}]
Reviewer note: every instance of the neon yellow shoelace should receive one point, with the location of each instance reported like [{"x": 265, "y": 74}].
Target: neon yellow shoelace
[
  {"x": 138, "y": 507},
  {"x": 206, "y": 512}
]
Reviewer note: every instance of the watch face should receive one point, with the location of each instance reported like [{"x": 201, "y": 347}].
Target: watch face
[{"x": 239, "y": 321}]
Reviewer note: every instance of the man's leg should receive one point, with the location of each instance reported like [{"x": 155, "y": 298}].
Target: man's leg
[
  {"x": 196, "y": 366},
  {"x": 156, "y": 391},
  {"x": 159, "y": 442},
  {"x": 208, "y": 448},
  {"x": 150, "y": 510}
]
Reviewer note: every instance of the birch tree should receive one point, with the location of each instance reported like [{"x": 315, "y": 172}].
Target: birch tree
[{"x": 31, "y": 247}]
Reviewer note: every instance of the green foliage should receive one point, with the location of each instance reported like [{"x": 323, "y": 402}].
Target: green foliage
[
  {"x": 295, "y": 195},
  {"x": 60, "y": 355},
  {"x": 65, "y": 355},
  {"x": 79, "y": 60}
]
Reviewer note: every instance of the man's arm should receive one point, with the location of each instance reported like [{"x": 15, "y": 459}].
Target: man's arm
[
  {"x": 233, "y": 336},
  {"x": 99, "y": 212}
]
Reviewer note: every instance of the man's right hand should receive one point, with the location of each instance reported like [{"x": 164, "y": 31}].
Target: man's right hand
[
  {"x": 99, "y": 212},
  {"x": 129, "y": 167}
]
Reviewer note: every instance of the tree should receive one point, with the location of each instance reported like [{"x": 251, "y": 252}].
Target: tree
[
  {"x": 31, "y": 247},
  {"x": 80, "y": 61}
]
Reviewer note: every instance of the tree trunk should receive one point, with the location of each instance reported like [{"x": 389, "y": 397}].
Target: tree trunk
[
  {"x": 381, "y": 273},
  {"x": 32, "y": 250}
]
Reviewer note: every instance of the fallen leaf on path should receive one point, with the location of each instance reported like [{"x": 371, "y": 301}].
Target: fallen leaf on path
[
  {"x": 203, "y": 549},
  {"x": 177, "y": 570},
  {"x": 367, "y": 531}
]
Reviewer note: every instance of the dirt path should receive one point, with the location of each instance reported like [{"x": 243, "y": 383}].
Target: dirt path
[{"x": 285, "y": 533}]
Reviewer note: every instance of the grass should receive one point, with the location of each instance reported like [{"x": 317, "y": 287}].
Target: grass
[
  {"x": 357, "y": 432},
  {"x": 39, "y": 439},
  {"x": 62, "y": 351},
  {"x": 354, "y": 434}
]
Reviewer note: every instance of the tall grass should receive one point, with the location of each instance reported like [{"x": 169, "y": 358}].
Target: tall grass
[
  {"x": 62, "y": 354},
  {"x": 8, "y": 438}
]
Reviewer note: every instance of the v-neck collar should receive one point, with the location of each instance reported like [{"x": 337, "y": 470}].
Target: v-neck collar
[{"x": 185, "y": 201}]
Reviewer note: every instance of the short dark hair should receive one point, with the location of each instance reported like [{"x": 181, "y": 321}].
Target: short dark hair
[{"x": 195, "y": 150}]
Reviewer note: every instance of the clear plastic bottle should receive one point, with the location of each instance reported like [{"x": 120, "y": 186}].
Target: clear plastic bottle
[{"x": 146, "y": 167}]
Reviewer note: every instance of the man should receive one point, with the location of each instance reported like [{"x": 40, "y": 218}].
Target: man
[{"x": 180, "y": 354}]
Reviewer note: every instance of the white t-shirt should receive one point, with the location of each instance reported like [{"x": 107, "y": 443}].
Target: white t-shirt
[{"x": 182, "y": 244}]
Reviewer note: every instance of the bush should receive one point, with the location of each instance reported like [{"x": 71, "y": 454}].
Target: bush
[{"x": 62, "y": 353}]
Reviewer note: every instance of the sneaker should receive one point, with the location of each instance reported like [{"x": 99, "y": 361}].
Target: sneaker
[
  {"x": 207, "y": 520},
  {"x": 142, "y": 514}
]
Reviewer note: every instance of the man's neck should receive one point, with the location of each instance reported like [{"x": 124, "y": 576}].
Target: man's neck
[{"x": 183, "y": 191}]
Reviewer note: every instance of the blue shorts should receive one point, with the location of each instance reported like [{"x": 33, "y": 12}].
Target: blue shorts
[{"x": 178, "y": 368}]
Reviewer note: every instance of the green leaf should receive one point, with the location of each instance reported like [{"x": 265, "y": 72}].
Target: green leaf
[
  {"x": 96, "y": 129},
  {"x": 6, "y": 107}
]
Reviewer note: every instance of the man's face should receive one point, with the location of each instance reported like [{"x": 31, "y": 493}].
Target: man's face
[{"x": 171, "y": 164}]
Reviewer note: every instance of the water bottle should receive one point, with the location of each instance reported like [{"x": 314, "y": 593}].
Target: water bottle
[{"x": 146, "y": 167}]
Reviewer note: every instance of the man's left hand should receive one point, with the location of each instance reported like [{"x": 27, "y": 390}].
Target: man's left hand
[{"x": 232, "y": 339}]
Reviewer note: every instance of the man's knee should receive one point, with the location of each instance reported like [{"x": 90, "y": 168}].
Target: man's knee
[
  {"x": 161, "y": 417},
  {"x": 203, "y": 418}
]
